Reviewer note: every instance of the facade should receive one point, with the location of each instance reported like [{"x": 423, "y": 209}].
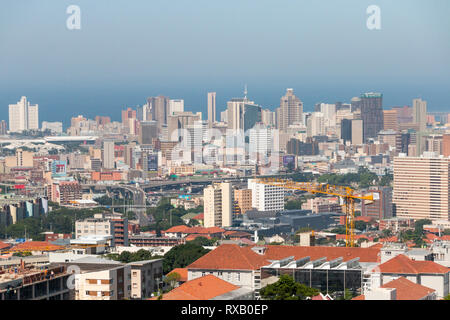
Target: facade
[
  {"x": 357, "y": 131},
  {"x": 148, "y": 131},
  {"x": 420, "y": 113},
  {"x": 110, "y": 284},
  {"x": 35, "y": 284},
  {"x": 108, "y": 154},
  {"x": 63, "y": 192},
  {"x": 390, "y": 121},
  {"x": 371, "y": 114},
  {"x": 218, "y": 204},
  {"x": 266, "y": 197},
  {"x": 291, "y": 110},
  {"x": 176, "y": 105},
  {"x": 211, "y": 108},
  {"x": 145, "y": 278},
  {"x": 381, "y": 208},
  {"x": 23, "y": 116},
  {"x": 421, "y": 187},
  {"x": 243, "y": 200}
]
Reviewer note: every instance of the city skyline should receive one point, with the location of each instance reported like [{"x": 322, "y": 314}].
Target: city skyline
[{"x": 190, "y": 50}]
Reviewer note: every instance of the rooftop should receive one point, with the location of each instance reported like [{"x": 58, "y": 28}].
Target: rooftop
[
  {"x": 234, "y": 257},
  {"x": 204, "y": 288},
  {"x": 401, "y": 264}
]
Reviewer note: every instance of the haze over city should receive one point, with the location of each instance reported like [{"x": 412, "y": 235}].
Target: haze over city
[{"x": 182, "y": 49}]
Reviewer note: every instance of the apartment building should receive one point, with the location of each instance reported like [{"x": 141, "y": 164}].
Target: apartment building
[
  {"x": 266, "y": 197},
  {"x": 146, "y": 277},
  {"x": 107, "y": 284},
  {"x": 218, "y": 204},
  {"x": 243, "y": 200},
  {"x": 104, "y": 224},
  {"x": 422, "y": 186}
]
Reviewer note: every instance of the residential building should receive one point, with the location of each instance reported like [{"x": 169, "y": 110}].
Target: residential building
[
  {"x": 243, "y": 200},
  {"x": 108, "y": 155},
  {"x": 266, "y": 197},
  {"x": 23, "y": 116},
  {"x": 421, "y": 187},
  {"x": 218, "y": 205},
  {"x": 145, "y": 278}
]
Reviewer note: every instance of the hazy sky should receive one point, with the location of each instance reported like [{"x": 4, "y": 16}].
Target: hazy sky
[{"x": 128, "y": 50}]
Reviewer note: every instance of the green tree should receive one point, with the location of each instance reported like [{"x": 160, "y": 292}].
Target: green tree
[
  {"x": 287, "y": 289},
  {"x": 447, "y": 297},
  {"x": 182, "y": 255},
  {"x": 172, "y": 278}
]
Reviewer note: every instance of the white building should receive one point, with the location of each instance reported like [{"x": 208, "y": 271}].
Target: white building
[
  {"x": 55, "y": 127},
  {"x": 266, "y": 197},
  {"x": 260, "y": 144},
  {"x": 23, "y": 116},
  {"x": 176, "y": 105}
]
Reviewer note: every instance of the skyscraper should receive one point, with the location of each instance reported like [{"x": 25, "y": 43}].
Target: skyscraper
[
  {"x": 211, "y": 108},
  {"x": 108, "y": 154},
  {"x": 148, "y": 131},
  {"x": 159, "y": 108},
  {"x": 291, "y": 109},
  {"x": 23, "y": 116},
  {"x": 371, "y": 114},
  {"x": 390, "y": 121},
  {"x": 420, "y": 113}
]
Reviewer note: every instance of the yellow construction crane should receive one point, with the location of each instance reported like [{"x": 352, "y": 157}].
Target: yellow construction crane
[{"x": 346, "y": 194}]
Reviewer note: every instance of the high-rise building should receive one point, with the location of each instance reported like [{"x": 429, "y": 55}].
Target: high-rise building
[
  {"x": 148, "y": 131},
  {"x": 218, "y": 205},
  {"x": 268, "y": 118},
  {"x": 420, "y": 113},
  {"x": 23, "y": 116},
  {"x": 108, "y": 154},
  {"x": 346, "y": 130},
  {"x": 3, "y": 127},
  {"x": 126, "y": 115},
  {"x": 242, "y": 114},
  {"x": 261, "y": 144},
  {"x": 357, "y": 131},
  {"x": 266, "y": 197},
  {"x": 159, "y": 108},
  {"x": 290, "y": 111},
  {"x": 381, "y": 208},
  {"x": 422, "y": 187},
  {"x": 211, "y": 108},
  {"x": 371, "y": 114},
  {"x": 243, "y": 200},
  {"x": 446, "y": 145},
  {"x": 176, "y": 105},
  {"x": 390, "y": 121}
]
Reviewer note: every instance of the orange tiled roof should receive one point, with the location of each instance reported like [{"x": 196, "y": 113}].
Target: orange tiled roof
[
  {"x": 401, "y": 264},
  {"x": 406, "y": 290},
  {"x": 233, "y": 257},
  {"x": 204, "y": 288},
  {"x": 183, "y": 272},
  {"x": 193, "y": 230},
  {"x": 195, "y": 236},
  {"x": 176, "y": 229},
  {"x": 200, "y": 216},
  {"x": 356, "y": 237},
  {"x": 390, "y": 239},
  {"x": 36, "y": 246},
  {"x": 4, "y": 245}
]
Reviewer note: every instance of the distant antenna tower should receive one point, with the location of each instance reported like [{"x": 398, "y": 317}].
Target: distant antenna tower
[{"x": 245, "y": 92}]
